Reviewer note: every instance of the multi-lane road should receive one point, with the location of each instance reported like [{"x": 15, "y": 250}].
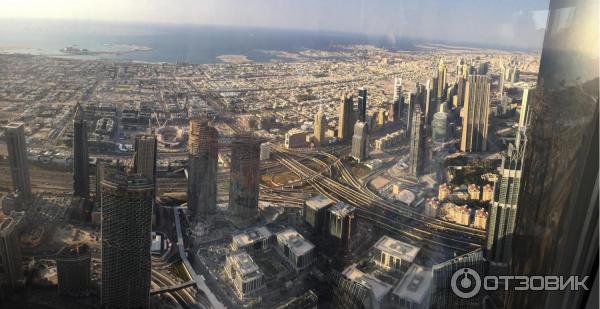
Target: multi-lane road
[{"x": 393, "y": 217}]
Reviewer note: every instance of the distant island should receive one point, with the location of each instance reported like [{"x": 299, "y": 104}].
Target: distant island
[{"x": 115, "y": 50}]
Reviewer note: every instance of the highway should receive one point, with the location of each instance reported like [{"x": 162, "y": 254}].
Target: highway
[
  {"x": 198, "y": 280},
  {"x": 399, "y": 219}
]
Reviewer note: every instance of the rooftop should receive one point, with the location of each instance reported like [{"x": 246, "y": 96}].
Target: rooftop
[
  {"x": 244, "y": 264},
  {"x": 297, "y": 244},
  {"x": 318, "y": 202},
  {"x": 378, "y": 287},
  {"x": 76, "y": 250},
  {"x": 415, "y": 285},
  {"x": 397, "y": 248},
  {"x": 15, "y": 125},
  {"x": 341, "y": 209},
  {"x": 251, "y": 236}
]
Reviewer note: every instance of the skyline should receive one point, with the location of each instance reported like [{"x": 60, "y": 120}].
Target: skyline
[{"x": 515, "y": 24}]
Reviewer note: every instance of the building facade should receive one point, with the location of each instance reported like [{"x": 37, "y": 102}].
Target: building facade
[
  {"x": 320, "y": 127},
  {"x": 475, "y": 114},
  {"x": 360, "y": 142},
  {"x": 81, "y": 158},
  {"x": 73, "y": 268},
  {"x": 416, "y": 163},
  {"x": 346, "y": 118},
  {"x": 17, "y": 158},
  {"x": 245, "y": 275},
  {"x": 244, "y": 179},
  {"x": 298, "y": 251},
  {"x": 125, "y": 228},
  {"x": 202, "y": 168},
  {"x": 11, "y": 269}
]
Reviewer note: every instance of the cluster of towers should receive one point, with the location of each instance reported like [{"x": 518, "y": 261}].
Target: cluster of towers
[{"x": 126, "y": 197}]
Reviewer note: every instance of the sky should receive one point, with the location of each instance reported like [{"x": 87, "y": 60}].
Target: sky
[{"x": 518, "y": 23}]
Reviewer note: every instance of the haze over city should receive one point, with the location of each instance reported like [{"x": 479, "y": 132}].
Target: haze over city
[{"x": 508, "y": 23}]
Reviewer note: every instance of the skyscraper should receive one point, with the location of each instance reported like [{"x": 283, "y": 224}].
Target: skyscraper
[
  {"x": 397, "y": 101},
  {"x": 346, "y": 118},
  {"x": 475, "y": 114},
  {"x": 81, "y": 158},
  {"x": 360, "y": 141},
  {"x": 417, "y": 144},
  {"x": 320, "y": 126},
  {"x": 441, "y": 80},
  {"x": 202, "y": 169},
  {"x": 397, "y": 88},
  {"x": 503, "y": 209},
  {"x": 362, "y": 104},
  {"x": 556, "y": 228},
  {"x": 144, "y": 161},
  {"x": 429, "y": 104},
  {"x": 412, "y": 102},
  {"x": 244, "y": 179},
  {"x": 125, "y": 228},
  {"x": 439, "y": 127},
  {"x": 10, "y": 252},
  {"x": 73, "y": 269},
  {"x": 17, "y": 158}
]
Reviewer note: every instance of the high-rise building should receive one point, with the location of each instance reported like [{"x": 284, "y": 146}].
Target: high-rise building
[
  {"x": 503, "y": 208},
  {"x": 360, "y": 142},
  {"x": 441, "y": 80},
  {"x": 475, "y": 114},
  {"x": 81, "y": 158},
  {"x": 126, "y": 227},
  {"x": 342, "y": 224},
  {"x": 416, "y": 162},
  {"x": 362, "y": 104},
  {"x": 397, "y": 88},
  {"x": 556, "y": 228},
  {"x": 202, "y": 168},
  {"x": 144, "y": 161},
  {"x": 460, "y": 92},
  {"x": 412, "y": 102},
  {"x": 320, "y": 126},
  {"x": 430, "y": 103},
  {"x": 346, "y": 118},
  {"x": 244, "y": 179},
  {"x": 11, "y": 270},
  {"x": 73, "y": 269},
  {"x": 442, "y": 295},
  {"x": 17, "y": 158},
  {"x": 439, "y": 127}
]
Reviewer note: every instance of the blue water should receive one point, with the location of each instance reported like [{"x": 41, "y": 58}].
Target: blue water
[{"x": 172, "y": 43}]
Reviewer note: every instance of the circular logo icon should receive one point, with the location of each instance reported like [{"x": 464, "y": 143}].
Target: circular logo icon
[{"x": 465, "y": 283}]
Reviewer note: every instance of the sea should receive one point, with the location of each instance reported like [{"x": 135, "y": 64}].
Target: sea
[{"x": 198, "y": 44}]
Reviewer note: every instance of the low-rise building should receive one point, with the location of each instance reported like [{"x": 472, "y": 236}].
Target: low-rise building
[
  {"x": 389, "y": 140},
  {"x": 244, "y": 274},
  {"x": 432, "y": 206},
  {"x": 474, "y": 191},
  {"x": 488, "y": 193},
  {"x": 480, "y": 219},
  {"x": 392, "y": 254},
  {"x": 298, "y": 251},
  {"x": 295, "y": 138},
  {"x": 444, "y": 191},
  {"x": 414, "y": 290},
  {"x": 457, "y": 214},
  {"x": 252, "y": 239},
  {"x": 378, "y": 289}
]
